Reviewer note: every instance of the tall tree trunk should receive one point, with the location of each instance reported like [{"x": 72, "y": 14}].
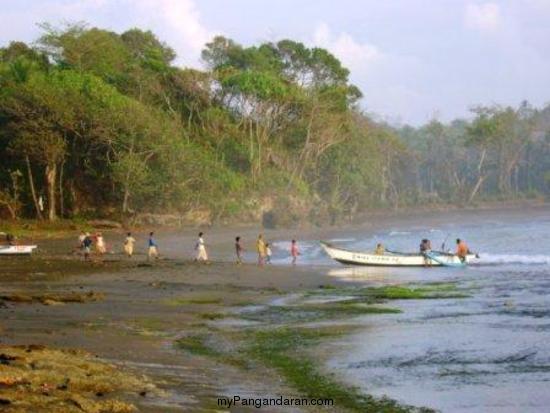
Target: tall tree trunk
[
  {"x": 126, "y": 200},
  {"x": 251, "y": 151},
  {"x": 12, "y": 211},
  {"x": 480, "y": 176},
  {"x": 476, "y": 188},
  {"x": 51, "y": 175},
  {"x": 9, "y": 204},
  {"x": 61, "y": 203},
  {"x": 75, "y": 207},
  {"x": 127, "y": 177},
  {"x": 504, "y": 181},
  {"x": 33, "y": 190}
]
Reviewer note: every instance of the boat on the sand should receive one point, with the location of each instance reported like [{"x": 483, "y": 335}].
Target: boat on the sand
[
  {"x": 395, "y": 259},
  {"x": 17, "y": 249}
]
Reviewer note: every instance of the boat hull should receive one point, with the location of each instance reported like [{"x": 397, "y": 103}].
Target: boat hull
[
  {"x": 17, "y": 249},
  {"x": 348, "y": 257}
]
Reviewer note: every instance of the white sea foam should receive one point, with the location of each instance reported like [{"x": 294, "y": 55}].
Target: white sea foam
[
  {"x": 285, "y": 245},
  {"x": 487, "y": 258}
]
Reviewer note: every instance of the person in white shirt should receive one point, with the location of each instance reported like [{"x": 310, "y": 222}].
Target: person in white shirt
[
  {"x": 268, "y": 253},
  {"x": 100, "y": 244},
  {"x": 81, "y": 239},
  {"x": 200, "y": 247},
  {"x": 129, "y": 245}
]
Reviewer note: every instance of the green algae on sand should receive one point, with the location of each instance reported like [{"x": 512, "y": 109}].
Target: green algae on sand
[
  {"x": 39, "y": 379},
  {"x": 283, "y": 349},
  {"x": 53, "y": 298}
]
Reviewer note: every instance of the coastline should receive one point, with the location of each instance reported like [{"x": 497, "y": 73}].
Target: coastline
[
  {"x": 198, "y": 332},
  {"x": 201, "y": 332},
  {"x": 32, "y": 229}
]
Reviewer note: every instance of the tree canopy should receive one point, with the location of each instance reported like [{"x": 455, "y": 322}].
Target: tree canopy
[{"x": 96, "y": 123}]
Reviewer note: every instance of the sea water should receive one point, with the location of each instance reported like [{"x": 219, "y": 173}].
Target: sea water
[{"x": 489, "y": 352}]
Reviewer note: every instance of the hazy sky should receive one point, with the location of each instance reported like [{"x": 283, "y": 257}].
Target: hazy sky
[{"x": 412, "y": 59}]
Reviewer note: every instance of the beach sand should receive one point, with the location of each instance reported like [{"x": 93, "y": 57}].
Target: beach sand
[
  {"x": 133, "y": 313},
  {"x": 143, "y": 310}
]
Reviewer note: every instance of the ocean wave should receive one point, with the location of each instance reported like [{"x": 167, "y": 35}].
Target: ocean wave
[
  {"x": 487, "y": 258},
  {"x": 302, "y": 245},
  {"x": 309, "y": 251},
  {"x": 341, "y": 240},
  {"x": 394, "y": 233}
]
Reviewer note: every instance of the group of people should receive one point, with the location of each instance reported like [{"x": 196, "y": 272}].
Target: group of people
[
  {"x": 262, "y": 248},
  {"x": 86, "y": 241},
  {"x": 461, "y": 252},
  {"x": 264, "y": 251},
  {"x": 425, "y": 248}
]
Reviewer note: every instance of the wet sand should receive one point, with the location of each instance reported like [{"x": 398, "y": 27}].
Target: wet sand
[{"x": 146, "y": 308}]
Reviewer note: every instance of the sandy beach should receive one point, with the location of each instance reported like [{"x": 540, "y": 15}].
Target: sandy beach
[
  {"x": 145, "y": 309},
  {"x": 200, "y": 332}
]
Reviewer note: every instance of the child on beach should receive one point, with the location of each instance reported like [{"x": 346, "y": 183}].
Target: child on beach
[
  {"x": 268, "y": 253},
  {"x": 129, "y": 245},
  {"x": 87, "y": 246},
  {"x": 100, "y": 246},
  {"x": 153, "y": 247},
  {"x": 81, "y": 238},
  {"x": 260, "y": 247},
  {"x": 239, "y": 250},
  {"x": 294, "y": 252},
  {"x": 201, "y": 249}
]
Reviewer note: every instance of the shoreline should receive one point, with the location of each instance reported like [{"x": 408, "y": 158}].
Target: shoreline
[
  {"x": 194, "y": 330},
  {"x": 35, "y": 229},
  {"x": 201, "y": 332}
]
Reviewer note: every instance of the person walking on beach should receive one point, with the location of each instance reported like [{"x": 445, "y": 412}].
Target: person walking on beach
[
  {"x": 260, "y": 247},
  {"x": 100, "y": 246},
  {"x": 294, "y": 252},
  {"x": 268, "y": 253},
  {"x": 87, "y": 246},
  {"x": 153, "y": 251},
  {"x": 239, "y": 250},
  {"x": 81, "y": 239},
  {"x": 200, "y": 247},
  {"x": 129, "y": 245}
]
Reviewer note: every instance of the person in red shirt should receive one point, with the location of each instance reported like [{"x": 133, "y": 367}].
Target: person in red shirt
[
  {"x": 294, "y": 251},
  {"x": 462, "y": 249}
]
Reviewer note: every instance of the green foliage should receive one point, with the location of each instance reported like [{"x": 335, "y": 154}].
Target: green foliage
[
  {"x": 498, "y": 155},
  {"x": 104, "y": 124}
]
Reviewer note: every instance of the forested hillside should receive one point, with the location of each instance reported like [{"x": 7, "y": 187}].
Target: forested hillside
[{"x": 99, "y": 124}]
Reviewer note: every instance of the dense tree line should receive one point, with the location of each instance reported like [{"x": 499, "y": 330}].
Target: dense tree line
[
  {"x": 95, "y": 123},
  {"x": 502, "y": 153}
]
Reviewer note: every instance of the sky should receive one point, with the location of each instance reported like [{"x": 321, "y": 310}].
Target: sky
[{"x": 414, "y": 60}]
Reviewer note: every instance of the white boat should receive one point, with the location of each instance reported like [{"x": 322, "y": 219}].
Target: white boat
[
  {"x": 395, "y": 259},
  {"x": 17, "y": 249}
]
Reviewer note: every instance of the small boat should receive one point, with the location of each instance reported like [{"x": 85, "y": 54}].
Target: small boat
[
  {"x": 17, "y": 249},
  {"x": 395, "y": 259}
]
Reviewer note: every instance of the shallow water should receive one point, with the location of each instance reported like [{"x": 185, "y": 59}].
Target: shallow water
[{"x": 488, "y": 352}]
